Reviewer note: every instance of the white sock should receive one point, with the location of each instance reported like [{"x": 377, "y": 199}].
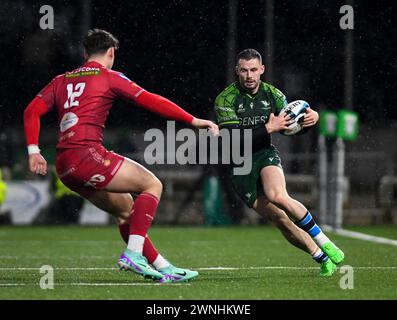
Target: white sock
[
  {"x": 320, "y": 239},
  {"x": 317, "y": 254},
  {"x": 135, "y": 243},
  {"x": 160, "y": 262}
]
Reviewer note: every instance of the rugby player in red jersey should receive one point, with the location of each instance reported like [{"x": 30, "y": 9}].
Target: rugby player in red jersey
[{"x": 83, "y": 98}]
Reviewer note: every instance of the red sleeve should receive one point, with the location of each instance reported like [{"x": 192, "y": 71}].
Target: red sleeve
[
  {"x": 164, "y": 107},
  {"x": 31, "y": 120},
  {"x": 124, "y": 88},
  {"x": 47, "y": 94},
  {"x": 41, "y": 104}
]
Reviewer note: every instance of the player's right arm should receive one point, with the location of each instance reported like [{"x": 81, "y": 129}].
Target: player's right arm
[
  {"x": 226, "y": 116},
  {"x": 40, "y": 105}
]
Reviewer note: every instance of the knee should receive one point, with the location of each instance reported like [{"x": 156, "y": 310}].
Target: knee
[
  {"x": 155, "y": 187},
  {"x": 158, "y": 186},
  {"x": 280, "y": 199}
]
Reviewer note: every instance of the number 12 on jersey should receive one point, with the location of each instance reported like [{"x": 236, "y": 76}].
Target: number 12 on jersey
[{"x": 74, "y": 91}]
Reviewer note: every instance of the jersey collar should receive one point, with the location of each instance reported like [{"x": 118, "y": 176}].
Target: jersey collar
[{"x": 93, "y": 64}]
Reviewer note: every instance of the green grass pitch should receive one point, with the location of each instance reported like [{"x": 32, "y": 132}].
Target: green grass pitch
[{"x": 234, "y": 263}]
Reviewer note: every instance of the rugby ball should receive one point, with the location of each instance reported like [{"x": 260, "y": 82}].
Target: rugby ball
[{"x": 296, "y": 110}]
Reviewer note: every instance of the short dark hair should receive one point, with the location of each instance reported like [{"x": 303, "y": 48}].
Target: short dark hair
[
  {"x": 248, "y": 54},
  {"x": 98, "y": 41}
]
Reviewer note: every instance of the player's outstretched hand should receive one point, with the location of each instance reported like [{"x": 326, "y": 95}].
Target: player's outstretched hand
[
  {"x": 281, "y": 122},
  {"x": 206, "y": 124},
  {"x": 311, "y": 118},
  {"x": 37, "y": 164}
]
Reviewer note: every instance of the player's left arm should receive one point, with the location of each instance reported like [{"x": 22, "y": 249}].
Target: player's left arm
[
  {"x": 40, "y": 105},
  {"x": 129, "y": 90}
]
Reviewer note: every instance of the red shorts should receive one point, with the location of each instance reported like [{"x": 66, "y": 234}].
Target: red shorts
[{"x": 86, "y": 170}]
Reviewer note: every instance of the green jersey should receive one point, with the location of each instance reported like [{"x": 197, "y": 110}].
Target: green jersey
[{"x": 234, "y": 105}]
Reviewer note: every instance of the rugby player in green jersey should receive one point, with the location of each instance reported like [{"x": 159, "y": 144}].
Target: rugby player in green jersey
[{"x": 250, "y": 103}]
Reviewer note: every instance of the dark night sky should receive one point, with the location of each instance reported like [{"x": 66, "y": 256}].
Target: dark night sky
[{"x": 178, "y": 49}]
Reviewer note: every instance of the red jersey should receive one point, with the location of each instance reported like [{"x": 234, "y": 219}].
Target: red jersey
[{"x": 83, "y": 98}]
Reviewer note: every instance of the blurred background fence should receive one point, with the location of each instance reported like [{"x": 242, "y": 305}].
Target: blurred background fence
[
  {"x": 185, "y": 50},
  {"x": 370, "y": 192}
]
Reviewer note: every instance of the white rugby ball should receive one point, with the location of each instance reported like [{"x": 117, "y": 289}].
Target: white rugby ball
[{"x": 296, "y": 110}]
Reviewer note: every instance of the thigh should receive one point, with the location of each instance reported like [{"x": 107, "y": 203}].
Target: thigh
[
  {"x": 131, "y": 177},
  {"x": 260, "y": 205},
  {"x": 118, "y": 205},
  {"x": 273, "y": 181}
]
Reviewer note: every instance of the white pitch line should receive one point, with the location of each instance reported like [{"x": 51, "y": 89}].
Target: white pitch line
[
  {"x": 61, "y": 268},
  {"x": 360, "y": 236},
  {"x": 51, "y": 257},
  {"x": 87, "y": 284},
  {"x": 204, "y": 268},
  {"x": 281, "y": 267},
  {"x": 58, "y": 242}
]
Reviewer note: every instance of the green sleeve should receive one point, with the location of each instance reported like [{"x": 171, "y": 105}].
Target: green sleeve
[
  {"x": 280, "y": 100},
  {"x": 225, "y": 113}
]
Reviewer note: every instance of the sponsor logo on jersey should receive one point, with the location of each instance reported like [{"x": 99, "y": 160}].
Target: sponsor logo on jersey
[
  {"x": 252, "y": 121},
  {"x": 240, "y": 108},
  {"x": 68, "y": 120},
  {"x": 83, "y": 71},
  {"x": 266, "y": 105},
  {"x": 96, "y": 156}
]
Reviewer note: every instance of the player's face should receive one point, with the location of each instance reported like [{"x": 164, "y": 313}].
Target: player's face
[{"x": 249, "y": 73}]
